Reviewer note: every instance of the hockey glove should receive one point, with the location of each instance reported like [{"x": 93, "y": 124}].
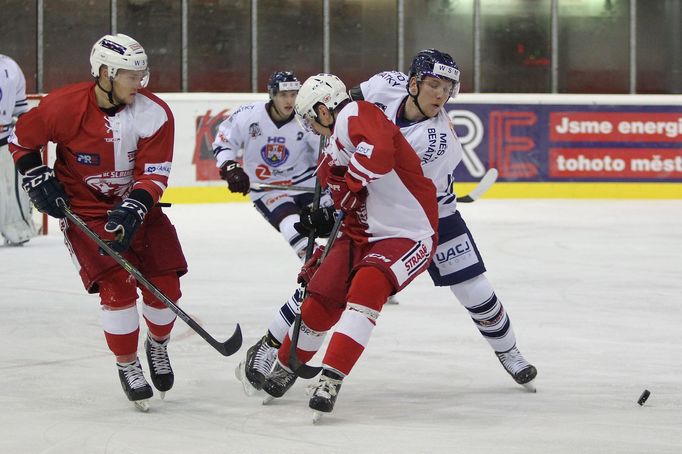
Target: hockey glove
[
  {"x": 344, "y": 198},
  {"x": 124, "y": 220},
  {"x": 310, "y": 267},
  {"x": 45, "y": 191},
  {"x": 237, "y": 179},
  {"x": 320, "y": 220}
]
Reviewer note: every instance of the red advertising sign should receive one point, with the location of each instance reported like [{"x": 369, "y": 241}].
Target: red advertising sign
[
  {"x": 615, "y": 163},
  {"x": 615, "y": 127}
]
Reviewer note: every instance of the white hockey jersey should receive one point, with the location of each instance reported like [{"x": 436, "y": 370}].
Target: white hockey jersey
[
  {"x": 273, "y": 155},
  {"x": 433, "y": 139},
  {"x": 12, "y": 94}
]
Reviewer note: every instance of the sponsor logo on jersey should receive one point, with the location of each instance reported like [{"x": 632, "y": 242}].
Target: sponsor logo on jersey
[
  {"x": 455, "y": 255},
  {"x": 364, "y": 149},
  {"x": 161, "y": 168},
  {"x": 263, "y": 172},
  {"x": 394, "y": 78},
  {"x": 436, "y": 145},
  {"x": 254, "y": 130},
  {"x": 88, "y": 159},
  {"x": 275, "y": 152},
  {"x": 416, "y": 259}
]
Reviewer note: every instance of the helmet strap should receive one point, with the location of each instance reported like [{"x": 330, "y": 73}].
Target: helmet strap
[
  {"x": 110, "y": 93},
  {"x": 414, "y": 98}
]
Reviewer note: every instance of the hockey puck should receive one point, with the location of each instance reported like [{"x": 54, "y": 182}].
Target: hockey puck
[{"x": 645, "y": 395}]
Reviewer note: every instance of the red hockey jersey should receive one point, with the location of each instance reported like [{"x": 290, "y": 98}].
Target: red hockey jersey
[
  {"x": 401, "y": 201},
  {"x": 100, "y": 158}
]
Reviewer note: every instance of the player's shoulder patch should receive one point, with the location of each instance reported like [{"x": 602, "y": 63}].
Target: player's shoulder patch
[{"x": 364, "y": 149}]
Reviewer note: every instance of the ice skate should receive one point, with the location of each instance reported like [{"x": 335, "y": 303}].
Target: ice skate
[
  {"x": 324, "y": 394},
  {"x": 278, "y": 382},
  {"x": 159, "y": 365},
  {"x": 516, "y": 365},
  {"x": 134, "y": 384},
  {"x": 257, "y": 365}
]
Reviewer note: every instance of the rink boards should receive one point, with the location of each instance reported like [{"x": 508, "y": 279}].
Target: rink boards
[{"x": 544, "y": 146}]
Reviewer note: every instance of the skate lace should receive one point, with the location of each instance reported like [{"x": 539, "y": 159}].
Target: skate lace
[
  {"x": 263, "y": 358},
  {"x": 513, "y": 361},
  {"x": 159, "y": 356},
  {"x": 327, "y": 387},
  {"x": 281, "y": 376},
  {"x": 133, "y": 374}
]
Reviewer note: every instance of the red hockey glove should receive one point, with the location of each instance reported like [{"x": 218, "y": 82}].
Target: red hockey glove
[
  {"x": 237, "y": 179},
  {"x": 310, "y": 267},
  {"x": 344, "y": 198}
]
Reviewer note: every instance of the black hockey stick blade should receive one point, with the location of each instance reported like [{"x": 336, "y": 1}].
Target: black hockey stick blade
[
  {"x": 481, "y": 188},
  {"x": 226, "y": 348},
  {"x": 230, "y": 346}
]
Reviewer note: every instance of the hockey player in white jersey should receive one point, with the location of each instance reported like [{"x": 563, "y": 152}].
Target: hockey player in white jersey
[
  {"x": 415, "y": 103},
  {"x": 275, "y": 151},
  {"x": 16, "y": 224}
]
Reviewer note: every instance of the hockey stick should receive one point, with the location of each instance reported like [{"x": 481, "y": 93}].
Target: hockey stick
[
  {"x": 280, "y": 187},
  {"x": 486, "y": 183},
  {"x": 481, "y": 188},
  {"x": 297, "y": 367},
  {"x": 226, "y": 348}
]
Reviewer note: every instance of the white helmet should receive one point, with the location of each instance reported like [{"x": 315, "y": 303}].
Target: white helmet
[
  {"x": 325, "y": 88},
  {"x": 117, "y": 51}
]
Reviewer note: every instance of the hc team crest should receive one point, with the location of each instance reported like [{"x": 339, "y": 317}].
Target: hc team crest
[{"x": 275, "y": 152}]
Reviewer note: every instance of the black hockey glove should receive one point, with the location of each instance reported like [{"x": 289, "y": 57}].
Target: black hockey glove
[
  {"x": 237, "y": 179},
  {"x": 124, "y": 220},
  {"x": 320, "y": 220},
  {"x": 45, "y": 191}
]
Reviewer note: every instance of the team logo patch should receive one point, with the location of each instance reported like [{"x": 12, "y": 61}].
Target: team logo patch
[
  {"x": 364, "y": 149},
  {"x": 88, "y": 159},
  {"x": 455, "y": 255},
  {"x": 274, "y": 154},
  {"x": 161, "y": 168},
  {"x": 254, "y": 130},
  {"x": 116, "y": 182}
]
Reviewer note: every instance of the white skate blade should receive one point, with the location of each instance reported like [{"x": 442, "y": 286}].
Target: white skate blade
[
  {"x": 142, "y": 405},
  {"x": 317, "y": 416},
  {"x": 240, "y": 373},
  {"x": 267, "y": 399},
  {"x": 530, "y": 386},
  {"x": 162, "y": 395}
]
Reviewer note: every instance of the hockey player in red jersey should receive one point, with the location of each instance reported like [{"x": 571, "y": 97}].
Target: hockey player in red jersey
[
  {"x": 386, "y": 240},
  {"x": 114, "y": 150}
]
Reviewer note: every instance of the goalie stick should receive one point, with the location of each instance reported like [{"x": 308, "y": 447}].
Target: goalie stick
[
  {"x": 481, "y": 188},
  {"x": 297, "y": 367},
  {"x": 226, "y": 348}
]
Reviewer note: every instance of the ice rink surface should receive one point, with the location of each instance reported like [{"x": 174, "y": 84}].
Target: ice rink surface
[{"x": 593, "y": 289}]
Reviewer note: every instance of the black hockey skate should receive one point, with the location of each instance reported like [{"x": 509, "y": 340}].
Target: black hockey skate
[
  {"x": 134, "y": 384},
  {"x": 324, "y": 393},
  {"x": 278, "y": 382},
  {"x": 516, "y": 365},
  {"x": 159, "y": 365},
  {"x": 259, "y": 361}
]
